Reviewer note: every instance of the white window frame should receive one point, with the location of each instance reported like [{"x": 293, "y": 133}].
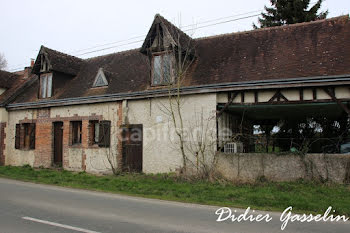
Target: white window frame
[
  {"x": 172, "y": 64},
  {"x": 46, "y": 85}
]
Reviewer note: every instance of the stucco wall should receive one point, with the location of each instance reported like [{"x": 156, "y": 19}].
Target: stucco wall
[
  {"x": 13, "y": 156},
  {"x": 248, "y": 167},
  {"x": 160, "y": 145},
  {"x": 3, "y": 115}
]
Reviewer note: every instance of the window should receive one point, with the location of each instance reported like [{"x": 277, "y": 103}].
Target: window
[
  {"x": 94, "y": 127},
  {"x": 76, "y": 132},
  {"x": 45, "y": 85},
  {"x": 162, "y": 69},
  {"x": 25, "y": 136},
  {"x": 100, "y": 80},
  {"x": 100, "y": 133}
]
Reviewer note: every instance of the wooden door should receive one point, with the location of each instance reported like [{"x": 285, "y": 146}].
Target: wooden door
[
  {"x": 58, "y": 143},
  {"x": 132, "y": 148}
]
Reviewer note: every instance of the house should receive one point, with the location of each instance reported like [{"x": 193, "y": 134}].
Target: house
[{"x": 81, "y": 113}]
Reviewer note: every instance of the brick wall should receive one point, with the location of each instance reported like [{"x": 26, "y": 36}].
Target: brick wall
[
  {"x": 2, "y": 143},
  {"x": 75, "y": 157}
]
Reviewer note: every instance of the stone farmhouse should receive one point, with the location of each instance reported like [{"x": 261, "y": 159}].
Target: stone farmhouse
[{"x": 81, "y": 113}]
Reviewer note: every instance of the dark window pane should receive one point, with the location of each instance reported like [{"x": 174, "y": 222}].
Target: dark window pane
[
  {"x": 166, "y": 68},
  {"x": 157, "y": 70}
]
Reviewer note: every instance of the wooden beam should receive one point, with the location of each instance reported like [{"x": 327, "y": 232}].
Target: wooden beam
[
  {"x": 242, "y": 97},
  {"x": 301, "y": 94},
  {"x": 314, "y": 94},
  {"x": 256, "y": 97},
  {"x": 219, "y": 113},
  {"x": 331, "y": 93},
  {"x": 278, "y": 95}
]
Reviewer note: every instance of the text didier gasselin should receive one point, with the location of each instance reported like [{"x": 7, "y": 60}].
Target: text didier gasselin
[{"x": 226, "y": 214}]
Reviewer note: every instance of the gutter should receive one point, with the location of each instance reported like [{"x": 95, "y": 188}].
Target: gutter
[{"x": 209, "y": 88}]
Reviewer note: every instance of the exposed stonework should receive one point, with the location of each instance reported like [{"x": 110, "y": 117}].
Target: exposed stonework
[
  {"x": 83, "y": 157},
  {"x": 249, "y": 167}
]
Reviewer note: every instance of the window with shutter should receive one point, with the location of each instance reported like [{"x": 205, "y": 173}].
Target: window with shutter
[
  {"x": 25, "y": 136},
  {"x": 104, "y": 133}
]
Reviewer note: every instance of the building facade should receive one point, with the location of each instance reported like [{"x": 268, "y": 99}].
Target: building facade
[{"x": 113, "y": 111}]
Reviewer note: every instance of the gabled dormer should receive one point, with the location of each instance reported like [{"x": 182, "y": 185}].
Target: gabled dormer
[
  {"x": 167, "y": 48},
  {"x": 54, "y": 70}
]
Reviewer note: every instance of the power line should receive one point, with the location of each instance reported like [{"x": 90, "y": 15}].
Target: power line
[
  {"x": 142, "y": 36},
  {"x": 227, "y": 21}
]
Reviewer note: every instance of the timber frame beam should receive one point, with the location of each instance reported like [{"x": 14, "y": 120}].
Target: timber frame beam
[
  {"x": 331, "y": 93},
  {"x": 231, "y": 98}
]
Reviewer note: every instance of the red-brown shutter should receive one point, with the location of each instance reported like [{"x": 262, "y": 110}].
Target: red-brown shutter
[
  {"x": 32, "y": 136},
  {"x": 18, "y": 136},
  {"x": 104, "y": 134}
]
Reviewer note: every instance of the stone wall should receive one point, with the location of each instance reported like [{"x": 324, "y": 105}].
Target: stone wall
[
  {"x": 81, "y": 157},
  {"x": 249, "y": 167}
]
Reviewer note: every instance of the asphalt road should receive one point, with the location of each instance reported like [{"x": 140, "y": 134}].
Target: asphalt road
[{"x": 34, "y": 208}]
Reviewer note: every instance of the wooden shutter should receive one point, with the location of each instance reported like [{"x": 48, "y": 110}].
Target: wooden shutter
[
  {"x": 32, "y": 136},
  {"x": 18, "y": 136},
  {"x": 104, "y": 134}
]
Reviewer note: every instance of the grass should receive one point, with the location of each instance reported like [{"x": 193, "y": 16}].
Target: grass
[{"x": 304, "y": 197}]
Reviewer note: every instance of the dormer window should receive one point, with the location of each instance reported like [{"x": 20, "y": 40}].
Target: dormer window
[
  {"x": 45, "y": 85},
  {"x": 162, "y": 69},
  {"x": 100, "y": 80}
]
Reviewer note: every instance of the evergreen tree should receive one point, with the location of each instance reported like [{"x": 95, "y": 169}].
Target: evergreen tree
[{"x": 289, "y": 12}]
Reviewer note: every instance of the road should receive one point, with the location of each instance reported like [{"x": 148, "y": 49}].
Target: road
[{"x": 34, "y": 208}]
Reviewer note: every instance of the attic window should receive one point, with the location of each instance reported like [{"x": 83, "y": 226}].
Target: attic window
[
  {"x": 162, "y": 69},
  {"x": 45, "y": 85},
  {"x": 100, "y": 80}
]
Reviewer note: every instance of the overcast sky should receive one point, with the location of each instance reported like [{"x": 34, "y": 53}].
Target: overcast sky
[{"x": 73, "y": 26}]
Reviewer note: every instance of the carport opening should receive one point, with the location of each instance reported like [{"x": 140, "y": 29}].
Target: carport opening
[{"x": 274, "y": 128}]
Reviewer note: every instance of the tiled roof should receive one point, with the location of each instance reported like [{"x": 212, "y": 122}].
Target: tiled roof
[{"x": 319, "y": 48}]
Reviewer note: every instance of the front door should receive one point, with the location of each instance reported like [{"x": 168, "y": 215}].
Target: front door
[
  {"x": 132, "y": 148},
  {"x": 57, "y": 143}
]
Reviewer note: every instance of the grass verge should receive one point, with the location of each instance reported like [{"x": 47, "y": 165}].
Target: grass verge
[{"x": 304, "y": 197}]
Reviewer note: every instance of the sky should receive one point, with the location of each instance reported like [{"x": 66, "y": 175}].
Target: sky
[{"x": 81, "y": 27}]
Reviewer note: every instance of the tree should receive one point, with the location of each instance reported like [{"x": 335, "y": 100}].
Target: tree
[
  {"x": 289, "y": 12},
  {"x": 3, "y": 62},
  {"x": 192, "y": 138}
]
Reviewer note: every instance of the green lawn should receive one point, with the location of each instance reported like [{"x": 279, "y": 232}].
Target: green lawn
[{"x": 305, "y": 197}]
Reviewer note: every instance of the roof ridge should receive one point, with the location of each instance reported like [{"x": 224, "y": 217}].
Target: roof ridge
[
  {"x": 176, "y": 27},
  {"x": 274, "y": 28},
  {"x": 109, "y": 54},
  {"x": 65, "y": 54}
]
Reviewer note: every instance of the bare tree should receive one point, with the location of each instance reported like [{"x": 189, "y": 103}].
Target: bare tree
[
  {"x": 3, "y": 62},
  {"x": 194, "y": 140}
]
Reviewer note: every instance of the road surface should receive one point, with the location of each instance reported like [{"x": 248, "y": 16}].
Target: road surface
[{"x": 34, "y": 208}]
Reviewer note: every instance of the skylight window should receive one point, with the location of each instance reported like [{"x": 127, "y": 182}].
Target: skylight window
[{"x": 100, "y": 80}]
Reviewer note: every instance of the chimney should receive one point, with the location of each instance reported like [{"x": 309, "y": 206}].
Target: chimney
[
  {"x": 28, "y": 69},
  {"x": 32, "y": 61}
]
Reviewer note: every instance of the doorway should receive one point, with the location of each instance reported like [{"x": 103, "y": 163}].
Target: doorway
[
  {"x": 58, "y": 143},
  {"x": 132, "y": 148}
]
